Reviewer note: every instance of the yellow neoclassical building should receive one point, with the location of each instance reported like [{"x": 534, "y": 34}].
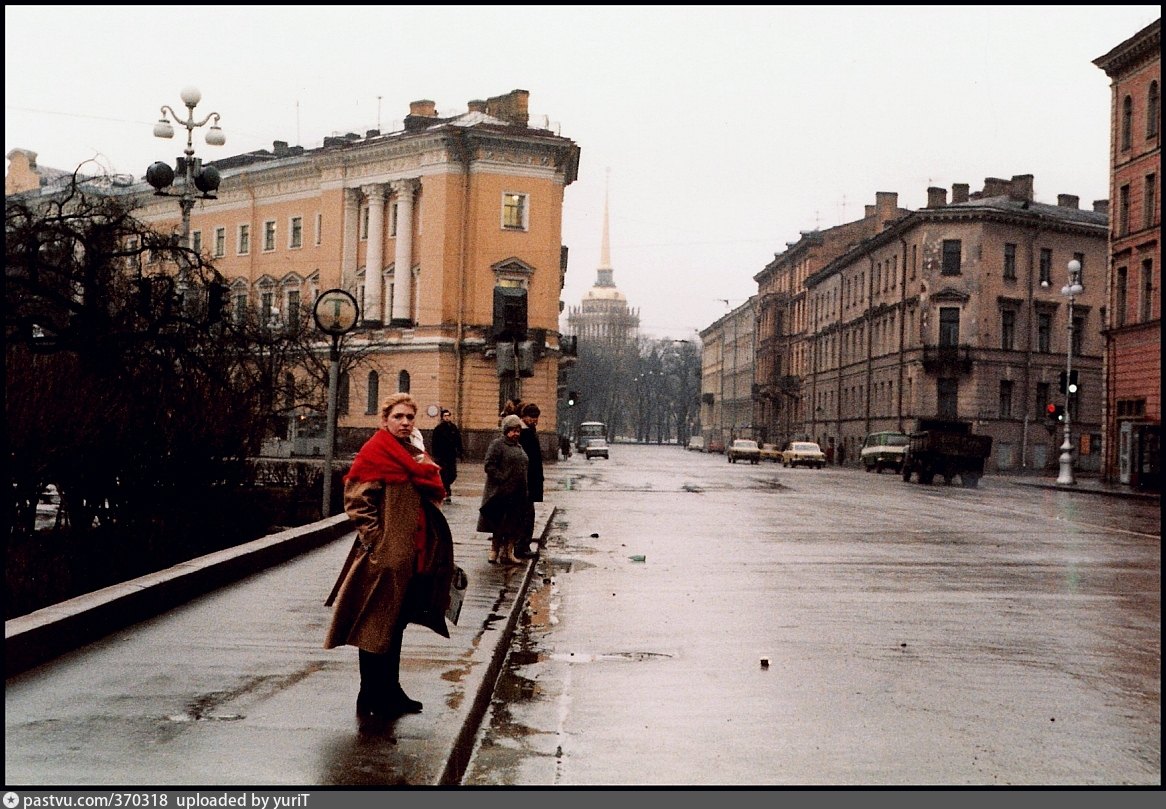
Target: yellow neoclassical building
[{"x": 420, "y": 226}]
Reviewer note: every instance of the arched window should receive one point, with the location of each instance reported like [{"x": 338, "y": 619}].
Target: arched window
[
  {"x": 374, "y": 391},
  {"x": 403, "y": 382},
  {"x": 1127, "y": 122},
  {"x": 342, "y": 395},
  {"x": 1153, "y": 110}
]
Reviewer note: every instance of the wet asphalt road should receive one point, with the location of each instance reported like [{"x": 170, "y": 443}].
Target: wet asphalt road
[{"x": 829, "y": 627}]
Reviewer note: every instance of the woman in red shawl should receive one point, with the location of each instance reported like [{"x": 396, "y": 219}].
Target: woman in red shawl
[{"x": 399, "y": 569}]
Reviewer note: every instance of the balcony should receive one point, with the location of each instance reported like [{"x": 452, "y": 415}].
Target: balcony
[{"x": 947, "y": 360}]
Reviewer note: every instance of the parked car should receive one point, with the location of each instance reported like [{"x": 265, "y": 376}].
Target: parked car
[
  {"x": 803, "y": 453},
  {"x": 716, "y": 445},
  {"x": 770, "y": 452},
  {"x": 744, "y": 449},
  {"x": 596, "y": 448},
  {"x": 884, "y": 450},
  {"x": 696, "y": 443}
]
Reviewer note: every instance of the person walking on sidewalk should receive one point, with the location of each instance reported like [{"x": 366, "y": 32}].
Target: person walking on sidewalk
[
  {"x": 502, "y": 513},
  {"x": 400, "y": 567},
  {"x": 446, "y": 444},
  {"x": 529, "y": 441}
]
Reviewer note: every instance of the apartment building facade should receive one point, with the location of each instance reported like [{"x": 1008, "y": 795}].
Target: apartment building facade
[
  {"x": 955, "y": 311},
  {"x": 728, "y": 361},
  {"x": 1132, "y": 416},
  {"x": 420, "y": 226}
]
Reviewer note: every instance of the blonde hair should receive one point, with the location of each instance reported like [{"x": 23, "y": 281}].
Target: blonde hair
[{"x": 396, "y": 399}]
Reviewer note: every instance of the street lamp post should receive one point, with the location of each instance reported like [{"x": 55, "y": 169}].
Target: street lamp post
[
  {"x": 195, "y": 176},
  {"x": 336, "y": 313},
  {"x": 1070, "y": 290}
]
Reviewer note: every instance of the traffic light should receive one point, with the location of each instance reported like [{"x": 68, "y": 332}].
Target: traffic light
[
  {"x": 1072, "y": 377},
  {"x": 1054, "y": 413},
  {"x": 572, "y": 397}
]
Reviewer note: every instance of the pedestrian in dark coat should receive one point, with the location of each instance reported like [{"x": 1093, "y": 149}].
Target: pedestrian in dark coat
[
  {"x": 446, "y": 446},
  {"x": 502, "y": 513},
  {"x": 534, "y": 472},
  {"x": 400, "y": 567}
]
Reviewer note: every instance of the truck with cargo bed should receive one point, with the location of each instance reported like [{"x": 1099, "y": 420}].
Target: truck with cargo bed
[{"x": 946, "y": 447}]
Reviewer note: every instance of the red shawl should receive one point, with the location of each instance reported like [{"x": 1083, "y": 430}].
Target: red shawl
[{"x": 384, "y": 458}]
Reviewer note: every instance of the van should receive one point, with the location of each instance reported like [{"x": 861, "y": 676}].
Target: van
[
  {"x": 696, "y": 443},
  {"x": 884, "y": 450}
]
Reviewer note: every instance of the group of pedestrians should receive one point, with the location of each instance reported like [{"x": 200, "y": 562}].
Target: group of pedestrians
[
  {"x": 400, "y": 568},
  {"x": 514, "y": 483}
]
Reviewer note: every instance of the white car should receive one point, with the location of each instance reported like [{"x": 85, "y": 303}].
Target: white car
[
  {"x": 744, "y": 449},
  {"x": 803, "y": 453},
  {"x": 596, "y": 448}
]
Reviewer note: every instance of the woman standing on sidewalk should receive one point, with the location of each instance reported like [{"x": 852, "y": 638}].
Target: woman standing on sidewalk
[
  {"x": 504, "y": 499},
  {"x": 399, "y": 570}
]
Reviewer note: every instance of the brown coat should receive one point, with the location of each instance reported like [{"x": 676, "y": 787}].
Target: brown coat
[{"x": 379, "y": 579}]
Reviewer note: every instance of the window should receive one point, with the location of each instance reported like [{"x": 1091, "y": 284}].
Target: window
[
  {"x": 1127, "y": 122},
  {"x": 1147, "y": 299},
  {"x": 1120, "y": 297},
  {"x": 220, "y": 242},
  {"x": 403, "y": 382},
  {"x": 1010, "y": 261},
  {"x": 949, "y": 326},
  {"x": 342, "y": 394},
  {"x": 1046, "y": 265},
  {"x": 293, "y": 307},
  {"x": 951, "y": 256},
  {"x": 1005, "y": 398},
  {"x": 319, "y": 227},
  {"x": 1149, "y": 201},
  {"x": 1044, "y": 332},
  {"x": 393, "y": 220},
  {"x": 196, "y": 242},
  {"x": 364, "y": 223},
  {"x": 296, "y": 232},
  {"x": 374, "y": 392},
  {"x": 1080, "y": 257},
  {"x": 239, "y": 310},
  {"x": 244, "y": 245},
  {"x": 514, "y": 211},
  {"x": 1153, "y": 110},
  {"x": 947, "y": 395},
  {"x": 1008, "y": 329},
  {"x": 266, "y": 305},
  {"x": 1078, "y": 335},
  {"x": 1123, "y": 210},
  {"x": 268, "y": 235}
]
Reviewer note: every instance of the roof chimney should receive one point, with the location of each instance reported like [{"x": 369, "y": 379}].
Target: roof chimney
[
  {"x": 1067, "y": 200},
  {"x": 936, "y": 197},
  {"x": 868, "y": 211},
  {"x": 477, "y": 105},
  {"x": 1021, "y": 187},
  {"x": 886, "y": 204},
  {"x": 995, "y": 187},
  {"x": 1101, "y": 206},
  {"x": 423, "y": 107},
  {"x": 512, "y": 107},
  {"x": 959, "y": 193}
]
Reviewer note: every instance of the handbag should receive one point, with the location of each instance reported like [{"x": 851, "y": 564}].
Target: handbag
[{"x": 457, "y": 594}]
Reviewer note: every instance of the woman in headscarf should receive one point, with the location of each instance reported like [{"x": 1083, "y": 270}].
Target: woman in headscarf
[
  {"x": 400, "y": 567},
  {"x": 504, "y": 499}
]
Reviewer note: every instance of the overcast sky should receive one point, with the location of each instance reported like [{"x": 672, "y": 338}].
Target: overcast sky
[{"x": 723, "y": 131}]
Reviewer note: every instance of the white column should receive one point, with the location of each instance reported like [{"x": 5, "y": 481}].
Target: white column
[
  {"x": 351, "y": 237},
  {"x": 403, "y": 263},
  {"x": 374, "y": 264}
]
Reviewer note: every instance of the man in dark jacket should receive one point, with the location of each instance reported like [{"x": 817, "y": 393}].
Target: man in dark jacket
[
  {"x": 446, "y": 448},
  {"x": 528, "y": 440}
]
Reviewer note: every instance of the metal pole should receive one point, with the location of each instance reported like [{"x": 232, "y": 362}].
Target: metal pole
[
  {"x": 330, "y": 435},
  {"x": 1066, "y": 460}
]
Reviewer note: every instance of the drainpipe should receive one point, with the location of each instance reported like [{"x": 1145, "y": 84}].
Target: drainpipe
[
  {"x": 902, "y": 333},
  {"x": 463, "y": 154}
]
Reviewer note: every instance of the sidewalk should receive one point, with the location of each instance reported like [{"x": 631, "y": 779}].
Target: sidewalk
[
  {"x": 1085, "y": 484},
  {"x": 229, "y": 683}
]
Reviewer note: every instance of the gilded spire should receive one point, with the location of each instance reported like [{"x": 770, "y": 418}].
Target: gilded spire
[{"x": 605, "y": 269}]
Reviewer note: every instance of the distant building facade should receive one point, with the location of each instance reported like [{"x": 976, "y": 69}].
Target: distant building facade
[
  {"x": 728, "y": 359},
  {"x": 603, "y": 316},
  {"x": 955, "y": 310},
  {"x": 1132, "y": 418},
  {"x": 420, "y": 225}
]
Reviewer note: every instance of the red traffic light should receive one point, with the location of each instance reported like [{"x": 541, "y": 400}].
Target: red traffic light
[{"x": 1051, "y": 409}]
